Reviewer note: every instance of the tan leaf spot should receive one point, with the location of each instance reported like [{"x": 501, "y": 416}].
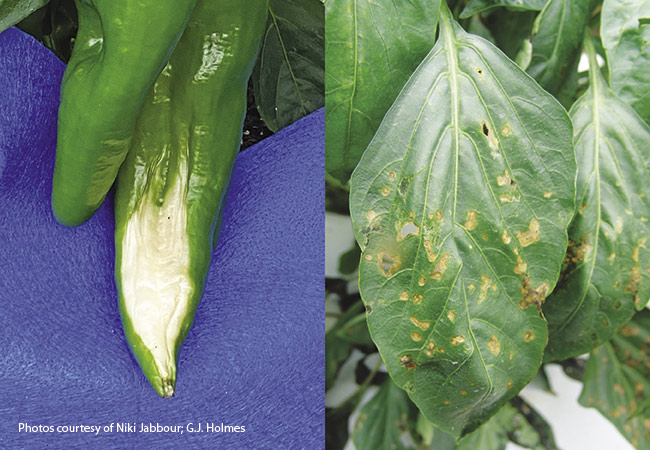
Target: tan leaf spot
[
  {"x": 472, "y": 220},
  {"x": 504, "y": 180},
  {"x": 404, "y": 296},
  {"x": 451, "y": 315},
  {"x": 521, "y": 266},
  {"x": 441, "y": 266},
  {"x": 528, "y": 336},
  {"x": 388, "y": 264},
  {"x": 529, "y": 236},
  {"x": 494, "y": 345},
  {"x": 385, "y": 191},
  {"x": 548, "y": 194},
  {"x": 417, "y": 298},
  {"x": 505, "y": 237},
  {"x": 458, "y": 339},
  {"x": 422, "y": 281},
  {"x": 417, "y": 337},
  {"x": 485, "y": 285},
  {"x": 422, "y": 324},
  {"x": 431, "y": 256}
]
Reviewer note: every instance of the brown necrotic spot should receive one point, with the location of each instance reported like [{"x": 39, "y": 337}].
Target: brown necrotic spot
[
  {"x": 417, "y": 298},
  {"x": 458, "y": 339},
  {"x": 521, "y": 266},
  {"x": 472, "y": 220},
  {"x": 408, "y": 229},
  {"x": 529, "y": 336},
  {"x": 441, "y": 267},
  {"x": 505, "y": 130},
  {"x": 407, "y": 362},
  {"x": 422, "y": 281},
  {"x": 431, "y": 256},
  {"x": 451, "y": 315},
  {"x": 403, "y": 186},
  {"x": 385, "y": 191},
  {"x": 431, "y": 346},
  {"x": 504, "y": 180},
  {"x": 494, "y": 345},
  {"x": 388, "y": 264},
  {"x": 485, "y": 285},
  {"x": 417, "y": 337},
  {"x": 548, "y": 194},
  {"x": 404, "y": 296},
  {"x": 633, "y": 283},
  {"x": 422, "y": 324},
  {"x": 486, "y": 130},
  {"x": 533, "y": 296},
  {"x": 505, "y": 237},
  {"x": 531, "y": 235}
]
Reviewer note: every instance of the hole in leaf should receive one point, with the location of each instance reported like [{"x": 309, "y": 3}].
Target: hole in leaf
[{"x": 486, "y": 130}]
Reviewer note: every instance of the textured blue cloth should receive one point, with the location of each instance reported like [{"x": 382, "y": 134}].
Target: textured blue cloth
[{"x": 255, "y": 354}]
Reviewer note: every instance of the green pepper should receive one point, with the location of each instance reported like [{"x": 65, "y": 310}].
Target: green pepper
[
  {"x": 120, "y": 49},
  {"x": 178, "y": 158}
]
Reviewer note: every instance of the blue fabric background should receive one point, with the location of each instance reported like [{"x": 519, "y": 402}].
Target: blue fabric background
[{"x": 255, "y": 354}]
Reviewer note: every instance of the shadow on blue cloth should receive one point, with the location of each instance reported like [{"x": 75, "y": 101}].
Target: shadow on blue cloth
[{"x": 255, "y": 354}]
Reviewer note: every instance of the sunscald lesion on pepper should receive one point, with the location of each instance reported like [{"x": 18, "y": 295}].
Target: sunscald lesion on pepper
[{"x": 155, "y": 96}]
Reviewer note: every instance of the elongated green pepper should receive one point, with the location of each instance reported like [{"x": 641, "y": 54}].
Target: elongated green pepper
[
  {"x": 156, "y": 90},
  {"x": 172, "y": 183},
  {"x": 121, "y": 47}
]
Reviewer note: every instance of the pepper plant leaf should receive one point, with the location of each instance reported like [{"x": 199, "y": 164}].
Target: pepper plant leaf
[
  {"x": 557, "y": 42},
  {"x": 605, "y": 270},
  {"x": 371, "y": 50},
  {"x": 626, "y": 35},
  {"x": 510, "y": 29},
  {"x": 617, "y": 380},
  {"x": 460, "y": 205},
  {"x": 477, "y": 6},
  {"x": 384, "y": 418},
  {"x": 289, "y": 78},
  {"x": 13, "y": 11},
  {"x": 507, "y": 425}
]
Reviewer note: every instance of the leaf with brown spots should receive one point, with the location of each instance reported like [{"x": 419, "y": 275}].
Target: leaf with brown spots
[
  {"x": 464, "y": 138},
  {"x": 606, "y": 265},
  {"x": 617, "y": 380}
]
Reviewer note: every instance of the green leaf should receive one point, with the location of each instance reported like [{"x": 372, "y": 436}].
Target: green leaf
[
  {"x": 356, "y": 332},
  {"x": 349, "y": 261},
  {"x": 289, "y": 78},
  {"x": 337, "y": 350},
  {"x": 557, "y": 42},
  {"x": 371, "y": 50},
  {"x": 511, "y": 29},
  {"x": 605, "y": 269},
  {"x": 477, "y": 6},
  {"x": 626, "y": 33},
  {"x": 384, "y": 419},
  {"x": 460, "y": 205},
  {"x": 507, "y": 425},
  {"x": 13, "y": 11},
  {"x": 617, "y": 380}
]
